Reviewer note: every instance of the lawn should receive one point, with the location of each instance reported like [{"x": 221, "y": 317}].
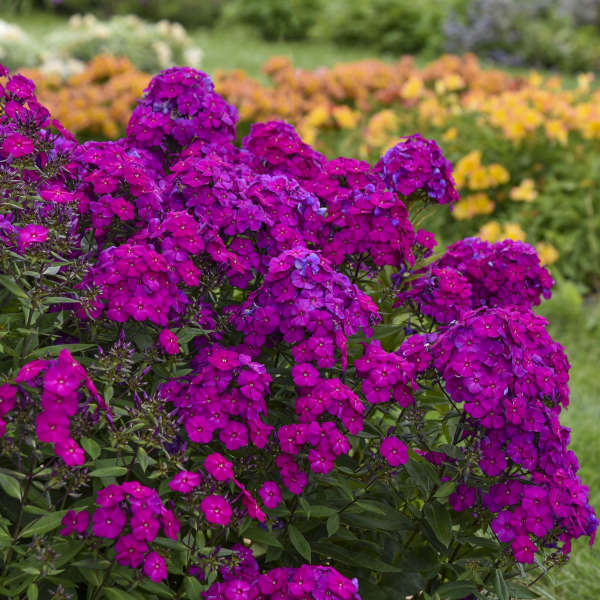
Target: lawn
[{"x": 576, "y": 325}]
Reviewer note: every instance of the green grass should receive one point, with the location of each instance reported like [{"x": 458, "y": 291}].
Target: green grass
[{"x": 576, "y": 325}]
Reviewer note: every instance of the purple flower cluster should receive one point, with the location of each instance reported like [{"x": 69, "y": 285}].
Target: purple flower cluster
[
  {"x": 64, "y": 389},
  {"x": 134, "y": 504},
  {"x": 364, "y": 219},
  {"x": 259, "y": 252},
  {"x": 418, "y": 164},
  {"x": 244, "y": 582},
  {"x": 226, "y": 395},
  {"x": 276, "y": 148},
  {"x": 309, "y": 305},
  {"x": 32, "y": 160},
  {"x": 510, "y": 378},
  {"x": 178, "y": 107},
  {"x": 475, "y": 273}
]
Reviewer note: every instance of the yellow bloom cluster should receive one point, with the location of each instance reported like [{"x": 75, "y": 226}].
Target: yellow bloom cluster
[
  {"x": 470, "y": 174},
  {"x": 96, "y": 102}
]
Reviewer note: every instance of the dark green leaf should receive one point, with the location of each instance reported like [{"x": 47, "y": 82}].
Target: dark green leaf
[
  {"x": 10, "y": 485},
  {"x": 456, "y": 590},
  {"x": 192, "y": 587},
  {"x": 262, "y": 536},
  {"x": 91, "y": 447},
  {"x": 55, "y": 350},
  {"x": 32, "y": 592},
  {"x": 439, "y": 518},
  {"x": 43, "y": 524},
  {"x": 299, "y": 542},
  {"x": 11, "y": 285},
  {"x": 109, "y": 472},
  {"x": 333, "y": 524},
  {"x": 115, "y": 594},
  {"x": 500, "y": 586},
  {"x": 516, "y": 590}
]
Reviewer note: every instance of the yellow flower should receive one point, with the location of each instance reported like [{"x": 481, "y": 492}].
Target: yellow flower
[
  {"x": 317, "y": 117},
  {"x": 450, "y": 134},
  {"x": 412, "y": 88},
  {"x": 556, "y": 130},
  {"x": 469, "y": 162},
  {"x": 498, "y": 174},
  {"x": 473, "y": 205},
  {"x": 307, "y": 133},
  {"x": 513, "y": 231},
  {"x": 583, "y": 82},
  {"x": 491, "y": 232},
  {"x": 478, "y": 179},
  {"x": 535, "y": 79},
  {"x": 345, "y": 117},
  {"x": 547, "y": 252},
  {"x": 524, "y": 192}
]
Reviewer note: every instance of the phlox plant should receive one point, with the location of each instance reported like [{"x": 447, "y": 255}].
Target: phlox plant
[{"x": 238, "y": 370}]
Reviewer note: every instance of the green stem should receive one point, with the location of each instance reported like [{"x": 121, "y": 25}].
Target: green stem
[{"x": 20, "y": 517}]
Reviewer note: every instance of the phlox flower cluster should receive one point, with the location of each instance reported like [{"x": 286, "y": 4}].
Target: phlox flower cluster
[
  {"x": 276, "y": 148},
  {"x": 385, "y": 375},
  {"x": 474, "y": 273},
  {"x": 33, "y": 148},
  {"x": 178, "y": 107},
  {"x": 310, "y": 305},
  {"x": 224, "y": 398},
  {"x": 364, "y": 218},
  {"x": 418, "y": 164},
  {"x": 307, "y": 582},
  {"x": 510, "y": 378},
  {"x": 114, "y": 185},
  {"x": 133, "y": 515},
  {"x": 259, "y": 252},
  {"x": 259, "y": 215},
  {"x": 64, "y": 390}
]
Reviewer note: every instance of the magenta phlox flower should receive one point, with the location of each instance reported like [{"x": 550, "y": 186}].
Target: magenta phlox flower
[
  {"x": 216, "y": 510},
  {"x": 75, "y": 522},
  {"x": 108, "y": 522}
]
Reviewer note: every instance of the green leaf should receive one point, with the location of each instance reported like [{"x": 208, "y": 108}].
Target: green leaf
[
  {"x": 32, "y": 592},
  {"x": 262, "y": 536},
  {"x": 446, "y": 489},
  {"x": 424, "y": 473},
  {"x": 192, "y": 588},
  {"x": 299, "y": 542},
  {"x": 439, "y": 518},
  {"x": 60, "y": 300},
  {"x": 115, "y": 594},
  {"x": 500, "y": 586},
  {"x": 160, "y": 589},
  {"x": 333, "y": 524},
  {"x": 43, "y": 524},
  {"x": 144, "y": 460},
  {"x": 456, "y": 590},
  {"x": 353, "y": 558},
  {"x": 109, "y": 472},
  {"x": 317, "y": 511},
  {"x": 55, "y": 350},
  {"x": 91, "y": 447},
  {"x": 11, "y": 285},
  {"x": 516, "y": 590},
  {"x": 10, "y": 485}
]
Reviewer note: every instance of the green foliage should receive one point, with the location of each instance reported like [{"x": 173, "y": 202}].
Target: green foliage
[
  {"x": 396, "y": 26},
  {"x": 17, "y": 48},
  {"x": 150, "y": 46},
  {"x": 276, "y": 19},
  {"x": 191, "y": 13}
]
